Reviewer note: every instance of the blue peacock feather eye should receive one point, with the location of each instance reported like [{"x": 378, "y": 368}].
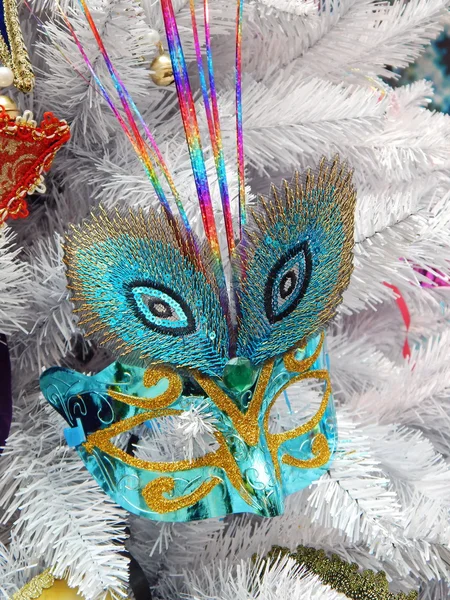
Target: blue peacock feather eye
[
  {"x": 161, "y": 308},
  {"x": 297, "y": 258},
  {"x": 287, "y": 282},
  {"x": 145, "y": 295}
]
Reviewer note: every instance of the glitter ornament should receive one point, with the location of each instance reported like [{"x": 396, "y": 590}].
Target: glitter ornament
[
  {"x": 161, "y": 71},
  {"x": 342, "y": 576},
  {"x": 60, "y": 591}
]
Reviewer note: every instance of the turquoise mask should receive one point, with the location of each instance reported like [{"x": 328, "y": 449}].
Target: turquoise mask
[{"x": 142, "y": 291}]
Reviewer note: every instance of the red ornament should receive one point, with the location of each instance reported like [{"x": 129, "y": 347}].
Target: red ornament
[{"x": 26, "y": 151}]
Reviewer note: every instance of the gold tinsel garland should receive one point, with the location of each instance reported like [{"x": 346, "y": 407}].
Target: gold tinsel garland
[{"x": 342, "y": 576}]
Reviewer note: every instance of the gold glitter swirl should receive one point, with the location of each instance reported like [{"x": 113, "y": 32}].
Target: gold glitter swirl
[
  {"x": 102, "y": 437},
  {"x": 294, "y": 365},
  {"x": 34, "y": 588},
  {"x": 274, "y": 440},
  {"x": 153, "y": 494},
  {"x": 220, "y": 458},
  {"x": 320, "y": 450},
  {"x": 152, "y": 376}
]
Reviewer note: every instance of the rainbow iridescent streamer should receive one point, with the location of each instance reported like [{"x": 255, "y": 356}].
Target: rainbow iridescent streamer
[
  {"x": 213, "y": 118},
  {"x": 150, "y": 154},
  {"x": 142, "y": 155},
  {"x": 189, "y": 117},
  {"x": 134, "y": 135},
  {"x": 239, "y": 126}
]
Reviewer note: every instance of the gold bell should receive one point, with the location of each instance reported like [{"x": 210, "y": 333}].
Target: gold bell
[
  {"x": 10, "y": 106},
  {"x": 161, "y": 71}
]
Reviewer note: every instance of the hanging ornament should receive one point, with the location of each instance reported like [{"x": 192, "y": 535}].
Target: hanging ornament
[
  {"x": 46, "y": 587},
  {"x": 156, "y": 296},
  {"x": 26, "y": 151},
  {"x": 435, "y": 278},
  {"x": 10, "y": 107},
  {"x": 13, "y": 54},
  {"x": 161, "y": 71},
  {"x": 6, "y": 77}
]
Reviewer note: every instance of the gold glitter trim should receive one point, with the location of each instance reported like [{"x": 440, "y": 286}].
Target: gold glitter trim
[
  {"x": 274, "y": 440},
  {"x": 153, "y": 494},
  {"x": 246, "y": 424},
  {"x": 294, "y": 365},
  {"x": 151, "y": 377},
  {"x": 17, "y": 59},
  {"x": 34, "y": 588},
  {"x": 342, "y": 576},
  {"x": 221, "y": 458}
]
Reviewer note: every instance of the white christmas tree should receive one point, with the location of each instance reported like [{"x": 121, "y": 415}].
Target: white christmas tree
[{"x": 315, "y": 82}]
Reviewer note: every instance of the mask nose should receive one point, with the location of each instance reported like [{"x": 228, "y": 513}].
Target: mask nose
[
  {"x": 260, "y": 481},
  {"x": 239, "y": 374}
]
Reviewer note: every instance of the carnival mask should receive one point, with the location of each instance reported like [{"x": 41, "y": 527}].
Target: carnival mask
[
  {"x": 228, "y": 343},
  {"x": 147, "y": 295}
]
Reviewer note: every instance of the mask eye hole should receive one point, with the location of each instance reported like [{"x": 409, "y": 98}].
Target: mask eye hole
[
  {"x": 161, "y": 309},
  {"x": 169, "y": 439},
  {"x": 296, "y": 405},
  {"x": 287, "y": 282}
]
